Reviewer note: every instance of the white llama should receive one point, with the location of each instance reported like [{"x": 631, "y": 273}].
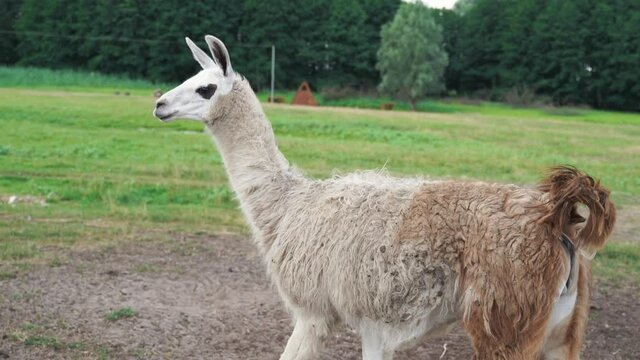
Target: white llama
[{"x": 402, "y": 259}]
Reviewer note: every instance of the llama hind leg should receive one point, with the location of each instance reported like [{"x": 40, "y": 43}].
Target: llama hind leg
[
  {"x": 505, "y": 342},
  {"x": 505, "y": 332},
  {"x": 568, "y": 340},
  {"x": 307, "y": 339},
  {"x": 526, "y": 348}
]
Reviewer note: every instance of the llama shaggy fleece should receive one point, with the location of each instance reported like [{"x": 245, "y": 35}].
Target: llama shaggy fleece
[{"x": 400, "y": 259}]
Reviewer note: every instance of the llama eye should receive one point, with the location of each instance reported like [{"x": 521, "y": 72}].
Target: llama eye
[{"x": 207, "y": 91}]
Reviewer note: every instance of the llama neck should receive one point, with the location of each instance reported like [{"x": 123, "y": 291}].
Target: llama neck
[{"x": 258, "y": 172}]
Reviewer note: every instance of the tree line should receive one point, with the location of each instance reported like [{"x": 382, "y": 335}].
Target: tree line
[
  {"x": 326, "y": 42},
  {"x": 573, "y": 51},
  {"x": 570, "y": 51}
]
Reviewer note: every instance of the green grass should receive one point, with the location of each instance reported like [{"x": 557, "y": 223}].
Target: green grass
[
  {"x": 367, "y": 102},
  {"x": 124, "y": 313},
  {"x": 7, "y": 275},
  {"x": 30, "y": 326},
  {"x": 619, "y": 263},
  {"x": 66, "y": 79},
  {"x": 146, "y": 268},
  {"x": 30, "y": 334},
  {"x": 109, "y": 172},
  {"x": 454, "y": 105},
  {"x": 48, "y": 341},
  {"x": 103, "y": 352}
]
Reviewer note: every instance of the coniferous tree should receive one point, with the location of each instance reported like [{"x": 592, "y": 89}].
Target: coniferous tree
[
  {"x": 377, "y": 13},
  {"x": 613, "y": 55},
  {"x": 451, "y": 23},
  {"x": 574, "y": 51},
  {"x": 480, "y": 46},
  {"x": 345, "y": 44},
  {"x": 518, "y": 55},
  {"x": 45, "y": 35},
  {"x": 9, "y": 10}
]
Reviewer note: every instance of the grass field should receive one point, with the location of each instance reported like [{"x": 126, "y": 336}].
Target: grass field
[{"x": 106, "y": 170}]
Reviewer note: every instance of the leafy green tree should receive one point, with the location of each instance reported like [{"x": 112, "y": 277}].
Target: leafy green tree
[{"x": 411, "y": 58}]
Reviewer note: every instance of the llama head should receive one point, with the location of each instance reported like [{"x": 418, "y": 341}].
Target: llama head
[{"x": 195, "y": 97}]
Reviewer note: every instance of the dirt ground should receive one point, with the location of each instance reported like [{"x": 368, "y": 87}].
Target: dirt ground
[{"x": 207, "y": 297}]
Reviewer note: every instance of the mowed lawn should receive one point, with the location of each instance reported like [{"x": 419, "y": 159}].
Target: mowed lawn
[{"x": 90, "y": 168}]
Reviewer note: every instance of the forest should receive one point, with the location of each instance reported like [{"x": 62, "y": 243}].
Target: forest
[{"x": 567, "y": 52}]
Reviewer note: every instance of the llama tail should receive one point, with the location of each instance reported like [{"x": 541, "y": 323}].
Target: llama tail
[{"x": 567, "y": 187}]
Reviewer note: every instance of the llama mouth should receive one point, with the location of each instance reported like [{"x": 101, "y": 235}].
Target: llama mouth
[{"x": 166, "y": 117}]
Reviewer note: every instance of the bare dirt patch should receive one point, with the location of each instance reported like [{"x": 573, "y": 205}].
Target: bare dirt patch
[{"x": 207, "y": 297}]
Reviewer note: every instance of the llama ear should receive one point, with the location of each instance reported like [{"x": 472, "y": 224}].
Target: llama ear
[
  {"x": 201, "y": 57},
  {"x": 220, "y": 53}
]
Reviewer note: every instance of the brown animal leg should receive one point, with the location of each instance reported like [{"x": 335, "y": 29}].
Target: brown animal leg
[
  {"x": 574, "y": 330},
  {"x": 501, "y": 337}
]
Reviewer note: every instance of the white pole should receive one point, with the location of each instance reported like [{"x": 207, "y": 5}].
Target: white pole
[{"x": 273, "y": 70}]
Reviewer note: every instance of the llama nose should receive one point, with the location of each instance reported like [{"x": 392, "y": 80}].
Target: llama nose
[{"x": 160, "y": 104}]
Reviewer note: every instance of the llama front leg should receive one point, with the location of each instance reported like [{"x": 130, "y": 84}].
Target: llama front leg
[
  {"x": 372, "y": 349},
  {"x": 374, "y": 344},
  {"x": 307, "y": 339}
]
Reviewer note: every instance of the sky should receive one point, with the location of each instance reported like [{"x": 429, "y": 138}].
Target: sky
[{"x": 440, "y": 3}]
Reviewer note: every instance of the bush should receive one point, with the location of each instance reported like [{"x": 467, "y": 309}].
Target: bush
[
  {"x": 338, "y": 93},
  {"x": 524, "y": 96},
  {"x": 276, "y": 99},
  {"x": 519, "y": 96},
  {"x": 565, "y": 111},
  {"x": 387, "y": 106}
]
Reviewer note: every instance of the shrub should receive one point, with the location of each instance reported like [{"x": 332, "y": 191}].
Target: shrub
[
  {"x": 277, "y": 99},
  {"x": 338, "y": 93},
  {"x": 524, "y": 96}
]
